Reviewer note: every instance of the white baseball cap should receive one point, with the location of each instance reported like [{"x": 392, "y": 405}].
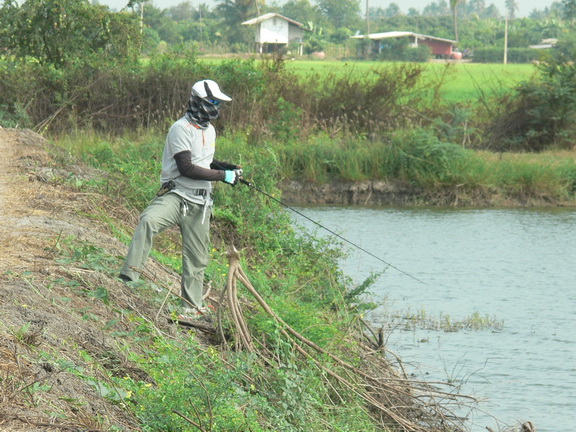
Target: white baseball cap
[{"x": 209, "y": 89}]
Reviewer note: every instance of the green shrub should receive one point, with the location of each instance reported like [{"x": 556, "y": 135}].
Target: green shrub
[
  {"x": 14, "y": 116},
  {"x": 199, "y": 386},
  {"x": 542, "y": 113}
]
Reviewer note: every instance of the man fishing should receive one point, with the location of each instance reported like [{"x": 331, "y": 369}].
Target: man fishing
[{"x": 185, "y": 198}]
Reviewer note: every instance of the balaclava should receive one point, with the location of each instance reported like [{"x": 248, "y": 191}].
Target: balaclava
[{"x": 201, "y": 111}]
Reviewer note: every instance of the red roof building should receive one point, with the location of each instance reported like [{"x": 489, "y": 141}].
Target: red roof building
[{"x": 439, "y": 47}]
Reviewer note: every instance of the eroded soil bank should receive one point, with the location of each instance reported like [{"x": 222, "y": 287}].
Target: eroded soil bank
[
  {"x": 399, "y": 193},
  {"x": 51, "y": 336}
]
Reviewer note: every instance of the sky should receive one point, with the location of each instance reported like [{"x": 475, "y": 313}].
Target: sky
[{"x": 524, "y": 6}]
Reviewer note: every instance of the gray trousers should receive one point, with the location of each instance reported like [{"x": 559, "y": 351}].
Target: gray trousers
[{"x": 163, "y": 213}]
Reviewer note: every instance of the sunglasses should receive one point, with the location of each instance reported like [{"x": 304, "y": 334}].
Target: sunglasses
[{"x": 213, "y": 101}]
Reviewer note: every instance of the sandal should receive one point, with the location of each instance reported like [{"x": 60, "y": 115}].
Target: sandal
[{"x": 193, "y": 314}]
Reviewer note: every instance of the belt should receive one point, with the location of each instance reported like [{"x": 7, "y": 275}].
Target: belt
[{"x": 200, "y": 192}]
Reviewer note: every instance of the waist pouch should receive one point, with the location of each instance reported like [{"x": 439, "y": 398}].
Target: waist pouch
[{"x": 165, "y": 188}]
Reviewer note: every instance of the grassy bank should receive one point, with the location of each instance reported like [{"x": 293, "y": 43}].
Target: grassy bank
[
  {"x": 308, "y": 368},
  {"x": 415, "y": 158},
  {"x": 275, "y": 386},
  {"x": 425, "y": 163}
]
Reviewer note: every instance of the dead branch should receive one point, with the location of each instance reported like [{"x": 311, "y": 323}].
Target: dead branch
[{"x": 411, "y": 406}]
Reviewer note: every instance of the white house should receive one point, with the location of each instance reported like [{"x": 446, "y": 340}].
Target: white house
[{"x": 274, "y": 30}]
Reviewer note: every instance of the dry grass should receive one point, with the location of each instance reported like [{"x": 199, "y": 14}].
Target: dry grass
[{"x": 41, "y": 303}]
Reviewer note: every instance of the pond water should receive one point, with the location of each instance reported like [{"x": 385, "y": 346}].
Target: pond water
[{"x": 517, "y": 267}]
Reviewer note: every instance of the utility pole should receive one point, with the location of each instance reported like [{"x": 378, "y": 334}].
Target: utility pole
[
  {"x": 367, "y": 29},
  {"x": 141, "y": 18},
  {"x": 506, "y": 41}
]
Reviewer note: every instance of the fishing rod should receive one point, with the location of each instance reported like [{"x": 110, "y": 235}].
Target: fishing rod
[{"x": 251, "y": 185}]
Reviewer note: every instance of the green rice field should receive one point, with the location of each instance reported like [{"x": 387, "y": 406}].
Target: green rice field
[{"x": 461, "y": 81}]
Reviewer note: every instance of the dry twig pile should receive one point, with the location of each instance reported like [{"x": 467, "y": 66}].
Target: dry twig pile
[{"x": 396, "y": 402}]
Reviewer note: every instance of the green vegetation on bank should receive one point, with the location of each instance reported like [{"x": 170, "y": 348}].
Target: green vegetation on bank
[
  {"x": 223, "y": 389},
  {"x": 274, "y": 387},
  {"x": 446, "y": 172}
]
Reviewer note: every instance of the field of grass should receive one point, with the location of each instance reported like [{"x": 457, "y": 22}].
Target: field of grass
[{"x": 462, "y": 81}]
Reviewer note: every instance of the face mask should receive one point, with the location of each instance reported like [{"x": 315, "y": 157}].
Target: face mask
[{"x": 202, "y": 111}]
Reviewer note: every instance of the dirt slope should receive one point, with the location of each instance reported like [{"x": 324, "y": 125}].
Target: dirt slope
[{"x": 54, "y": 329}]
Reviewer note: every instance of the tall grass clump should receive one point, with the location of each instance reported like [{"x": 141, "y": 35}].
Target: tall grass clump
[
  {"x": 421, "y": 158},
  {"x": 386, "y": 99},
  {"x": 417, "y": 156},
  {"x": 524, "y": 179}
]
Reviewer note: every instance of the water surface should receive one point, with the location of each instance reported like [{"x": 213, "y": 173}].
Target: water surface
[{"x": 515, "y": 266}]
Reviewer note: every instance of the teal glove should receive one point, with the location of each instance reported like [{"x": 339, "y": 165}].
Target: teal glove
[{"x": 231, "y": 177}]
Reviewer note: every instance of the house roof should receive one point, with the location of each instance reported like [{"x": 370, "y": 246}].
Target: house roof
[
  {"x": 399, "y": 34},
  {"x": 545, "y": 43},
  {"x": 268, "y": 16}
]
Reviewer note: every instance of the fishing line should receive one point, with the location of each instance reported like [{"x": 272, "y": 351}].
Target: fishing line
[{"x": 251, "y": 185}]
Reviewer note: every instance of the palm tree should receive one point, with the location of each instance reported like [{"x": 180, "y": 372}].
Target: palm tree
[
  {"x": 569, "y": 10},
  {"x": 476, "y": 8},
  {"x": 511, "y": 8}
]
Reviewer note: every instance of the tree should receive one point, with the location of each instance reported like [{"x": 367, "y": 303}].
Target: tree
[
  {"x": 8, "y": 15},
  {"x": 301, "y": 11},
  {"x": 569, "y": 11},
  {"x": 341, "y": 13},
  {"x": 182, "y": 12},
  {"x": 511, "y": 8},
  {"x": 437, "y": 9},
  {"x": 59, "y": 32},
  {"x": 492, "y": 12},
  {"x": 234, "y": 13},
  {"x": 238, "y": 11},
  {"x": 392, "y": 10},
  {"x": 475, "y": 8}
]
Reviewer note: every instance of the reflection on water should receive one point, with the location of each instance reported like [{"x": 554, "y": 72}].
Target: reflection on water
[{"x": 515, "y": 265}]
